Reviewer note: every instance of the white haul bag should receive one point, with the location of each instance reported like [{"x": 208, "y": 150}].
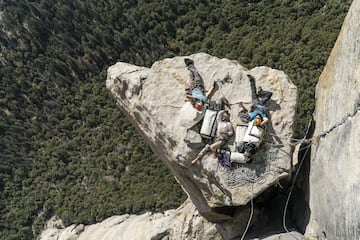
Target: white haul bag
[
  {"x": 240, "y": 133},
  {"x": 208, "y": 127},
  {"x": 254, "y": 134}
]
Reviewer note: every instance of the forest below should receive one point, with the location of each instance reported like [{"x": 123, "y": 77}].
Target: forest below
[{"x": 65, "y": 147}]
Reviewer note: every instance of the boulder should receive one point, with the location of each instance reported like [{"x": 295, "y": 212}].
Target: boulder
[{"x": 154, "y": 100}]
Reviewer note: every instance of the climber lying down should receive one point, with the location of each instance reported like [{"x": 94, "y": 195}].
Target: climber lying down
[
  {"x": 196, "y": 91},
  {"x": 198, "y": 96}
]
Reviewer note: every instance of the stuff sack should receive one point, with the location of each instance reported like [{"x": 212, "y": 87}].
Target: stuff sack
[{"x": 238, "y": 157}]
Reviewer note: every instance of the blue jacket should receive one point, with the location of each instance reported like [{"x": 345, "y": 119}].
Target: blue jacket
[{"x": 259, "y": 109}]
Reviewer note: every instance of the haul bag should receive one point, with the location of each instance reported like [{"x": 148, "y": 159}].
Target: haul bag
[
  {"x": 254, "y": 134},
  {"x": 257, "y": 131},
  {"x": 208, "y": 127},
  {"x": 240, "y": 133}
]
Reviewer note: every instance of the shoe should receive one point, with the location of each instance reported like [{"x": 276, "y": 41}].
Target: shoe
[
  {"x": 251, "y": 78},
  {"x": 214, "y": 84},
  {"x": 188, "y": 61},
  {"x": 227, "y": 79}
]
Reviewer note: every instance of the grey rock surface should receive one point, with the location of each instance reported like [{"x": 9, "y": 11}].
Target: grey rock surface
[
  {"x": 335, "y": 168},
  {"x": 182, "y": 223}
]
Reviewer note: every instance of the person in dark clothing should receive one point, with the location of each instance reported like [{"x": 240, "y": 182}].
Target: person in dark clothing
[
  {"x": 257, "y": 119},
  {"x": 196, "y": 91},
  {"x": 194, "y": 76},
  {"x": 259, "y": 98}
]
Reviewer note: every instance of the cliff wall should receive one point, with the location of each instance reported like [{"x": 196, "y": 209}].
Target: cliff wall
[{"x": 335, "y": 169}]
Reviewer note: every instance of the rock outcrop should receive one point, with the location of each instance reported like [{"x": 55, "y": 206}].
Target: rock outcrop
[
  {"x": 154, "y": 99},
  {"x": 335, "y": 168},
  {"x": 182, "y": 223}
]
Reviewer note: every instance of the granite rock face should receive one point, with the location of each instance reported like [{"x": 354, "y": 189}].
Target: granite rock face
[
  {"x": 219, "y": 199},
  {"x": 182, "y": 223},
  {"x": 154, "y": 100},
  {"x": 335, "y": 168}
]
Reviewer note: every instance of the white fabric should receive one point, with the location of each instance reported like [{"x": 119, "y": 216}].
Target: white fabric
[
  {"x": 253, "y": 136},
  {"x": 237, "y": 157},
  {"x": 240, "y": 133},
  {"x": 208, "y": 126}
]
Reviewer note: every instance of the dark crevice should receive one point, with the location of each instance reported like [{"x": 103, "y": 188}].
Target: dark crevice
[{"x": 226, "y": 210}]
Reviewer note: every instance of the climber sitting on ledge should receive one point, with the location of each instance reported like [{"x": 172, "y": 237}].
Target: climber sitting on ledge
[
  {"x": 196, "y": 91},
  {"x": 223, "y": 132}
]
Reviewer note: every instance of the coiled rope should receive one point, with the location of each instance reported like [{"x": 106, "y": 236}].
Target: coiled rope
[{"x": 241, "y": 176}]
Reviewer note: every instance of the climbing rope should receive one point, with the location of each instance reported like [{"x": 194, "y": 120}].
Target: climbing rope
[
  {"x": 169, "y": 105},
  {"x": 241, "y": 176},
  {"x": 219, "y": 84},
  {"x": 314, "y": 139},
  {"x": 250, "y": 177},
  {"x": 251, "y": 214},
  {"x": 245, "y": 175},
  {"x": 290, "y": 141},
  {"x": 290, "y": 192}
]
